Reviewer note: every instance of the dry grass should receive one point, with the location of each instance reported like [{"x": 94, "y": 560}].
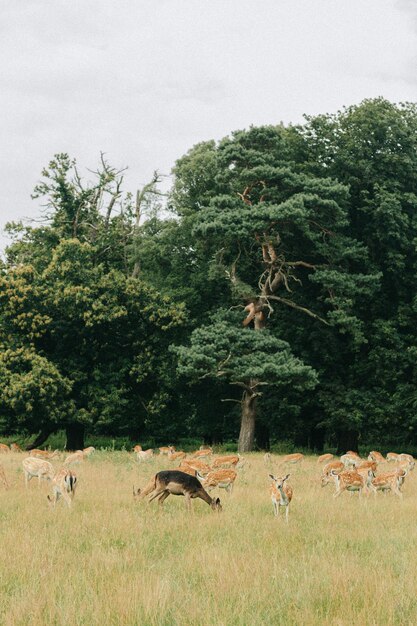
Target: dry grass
[{"x": 113, "y": 561}]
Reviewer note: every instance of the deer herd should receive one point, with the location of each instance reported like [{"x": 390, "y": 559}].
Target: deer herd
[{"x": 201, "y": 472}]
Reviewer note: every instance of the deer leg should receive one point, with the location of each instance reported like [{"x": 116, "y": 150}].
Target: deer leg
[
  {"x": 287, "y": 512},
  {"x": 163, "y": 497},
  {"x": 156, "y": 494},
  {"x": 188, "y": 502}
]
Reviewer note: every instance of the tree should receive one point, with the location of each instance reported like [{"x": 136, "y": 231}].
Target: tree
[
  {"x": 278, "y": 234},
  {"x": 244, "y": 358},
  {"x": 83, "y": 346}
]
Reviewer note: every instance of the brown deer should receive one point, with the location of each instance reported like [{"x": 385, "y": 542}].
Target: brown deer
[
  {"x": 63, "y": 485},
  {"x": 43, "y": 454},
  {"x": 88, "y": 451},
  {"x": 74, "y": 458},
  {"x": 281, "y": 495},
  {"x": 230, "y": 460},
  {"x": 292, "y": 458},
  {"x": 200, "y": 466},
  {"x": 376, "y": 456},
  {"x": 4, "y": 448},
  {"x": 325, "y": 458},
  {"x": 166, "y": 449},
  {"x": 336, "y": 466},
  {"x": 222, "y": 478},
  {"x": 177, "y": 483}
]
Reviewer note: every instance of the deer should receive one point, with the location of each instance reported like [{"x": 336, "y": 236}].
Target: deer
[
  {"x": 63, "y": 485},
  {"x": 293, "y": 458},
  {"x": 203, "y": 453},
  {"x": 197, "y": 465},
  {"x": 176, "y": 456},
  {"x": 350, "y": 459},
  {"x": 88, "y": 451},
  {"x": 281, "y": 495},
  {"x": 336, "y": 466},
  {"x": 348, "y": 480},
  {"x": 137, "y": 448},
  {"x": 43, "y": 454},
  {"x": 230, "y": 460},
  {"x": 3, "y": 478},
  {"x": 74, "y": 458},
  {"x": 187, "y": 469},
  {"x": 4, "y": 449},
  {"x": 389, "y": 481},
  {"x": 372, "y": 465},
  {"x": 376, "y": 456},
  {"x": 14, "y": 447},
  {"x": 392, "y": 456},
  {"x": 177, "y": 483},
  {"x": 406, "y": 457},
  {"x": 223, "y": 479},
  {"x": 144, "y": 455},
  {"x": 166, "y": 450},
  {"x": 325, "y": 458},
  {"x": 37, "y": 467}
]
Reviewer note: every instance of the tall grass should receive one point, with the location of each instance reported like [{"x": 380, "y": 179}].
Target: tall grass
[{"x": 113, "y": 561}]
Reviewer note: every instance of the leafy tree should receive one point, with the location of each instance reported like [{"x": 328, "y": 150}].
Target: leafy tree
[
  {"x": 279, "y": 235},
  {"x": 244, "y": 358}
]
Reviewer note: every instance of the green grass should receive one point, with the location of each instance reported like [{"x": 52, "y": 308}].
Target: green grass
[{"x": 111, "y": 560}]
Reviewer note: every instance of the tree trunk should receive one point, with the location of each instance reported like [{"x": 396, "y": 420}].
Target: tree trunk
[
  {"x": 75, "y": 436},
  {"x": 247, "y": 424},
  {"x": 40, "y": 439},
  {"x": 347, "y": 440}
]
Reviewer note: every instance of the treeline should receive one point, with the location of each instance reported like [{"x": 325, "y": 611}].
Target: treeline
[{"x": 271, "y": 296}]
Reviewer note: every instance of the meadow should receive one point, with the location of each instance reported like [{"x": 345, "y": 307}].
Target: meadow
[{"x": 111, "y": 560}]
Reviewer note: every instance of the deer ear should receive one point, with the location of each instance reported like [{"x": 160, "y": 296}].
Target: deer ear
[
  {"x": 217, "y": 500},
  {"x": 273, "y": 477},
  {"x": 286, "y": 478}
]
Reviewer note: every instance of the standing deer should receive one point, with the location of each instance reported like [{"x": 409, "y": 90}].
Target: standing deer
[
  {"x": 36, "y": 467},
  {"x": 63, "y": 485},
  {"x": 325, "y": 458},
  {"x": 222, "y": 478},
  {"x": 177, "y": 483},
  {"x": 43, "y": 454},
  {"x": 281, "y": 495}
]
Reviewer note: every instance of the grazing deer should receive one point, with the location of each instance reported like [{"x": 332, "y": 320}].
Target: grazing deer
[
  {"x": 325, "y": 458},
  {"x": 348, "y": 480},
  {"x": 144, "y": 455},
  {"x": 392, "y": 456},
  {"x": 376, "y": 456},
  {"x": 200, "y": 466},
  {"x": 43, "y": 454},
  {"x": 364, "y": 465},
  {"x": 187, "y": 469},
  {"x": 230, "y": 460},
  {"x": 389, "y": 481},
  {"x": 176, "y": 456},
  {"x": 88, "y": 451},
  {"x": 293, "y": 458},
  {"x": 166, "y": 449},
  {"x": 350, "y": 459},
  {"x": 177, "y": 483},
  {"x": 3, "y": 478},
  {"x": 281, "y": 495},
  {"x": 203, "y": 453},
  {"x": 223, "y": 479},
  {"x": 14, "y": 447},
  {"x": 336, "y": 466},
  {"x": 4, "y": 448},
  {"x": 63, "y": 485},
  {"x": 74, "y": 458},
  {"x": 37, "y": 467},
  {"x": 406, "y": 457}
]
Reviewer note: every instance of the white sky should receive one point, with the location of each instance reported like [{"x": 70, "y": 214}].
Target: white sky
[{"x": 144, "y": 80}]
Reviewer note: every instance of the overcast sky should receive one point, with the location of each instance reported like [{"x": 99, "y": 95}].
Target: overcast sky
[{"x": 144, "y": 80}]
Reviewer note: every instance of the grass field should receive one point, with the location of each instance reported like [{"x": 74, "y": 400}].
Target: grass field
[{"x": 113, "y": 561}]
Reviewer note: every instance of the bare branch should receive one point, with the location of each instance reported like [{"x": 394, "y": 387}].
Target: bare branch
[{"x": 297, "y": 307}]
